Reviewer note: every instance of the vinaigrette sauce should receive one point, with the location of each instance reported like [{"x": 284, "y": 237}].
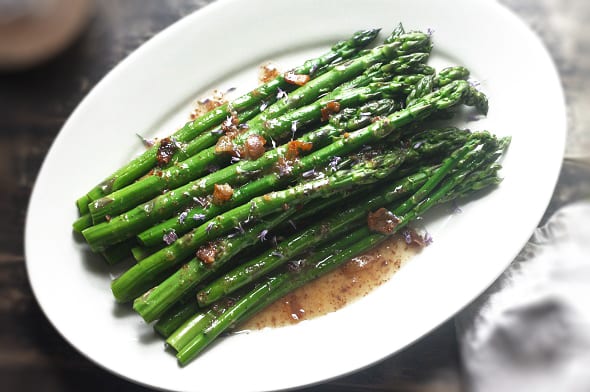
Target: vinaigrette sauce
[{"x": 355, "y": 279}]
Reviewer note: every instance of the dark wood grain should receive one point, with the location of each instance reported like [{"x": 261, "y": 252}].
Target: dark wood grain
[{"x": 35, "y": 103}]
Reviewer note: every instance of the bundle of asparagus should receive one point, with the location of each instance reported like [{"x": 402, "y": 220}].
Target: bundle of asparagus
[{"x": 346, "y": 136}]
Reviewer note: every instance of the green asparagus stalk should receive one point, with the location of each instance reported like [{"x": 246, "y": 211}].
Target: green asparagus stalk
[
  {"x": 402, "y": 45},
  {"x": 141, "y": 165},
  {"x": 405, "y": 66},
  {"x": 185, "y": 307},
  {"x": 396, "y": 33},
  {"x": 397, "y": 66},
  {"x": 381, "y": 73},
  {"x": 146, "y": 215},
  {"x": 362, "y": 117},
  {"x": 453, "y": 94},
  {"x": 449, "y": 74},
  {"x": 82, "y": 222},
  {"x": 324, "y": 230},
  {"x": 145, "y": 274},
  {"x": 141, "y": 252},
  {"x": 119, "y": 252},
  {"x": 423, "y": 87},
  {"x": 152, "y": 304},
  {"x": 355, "y": 141},
  {"x": 191, "y": 328},
  {"x": 427, "y": 84},
  {"x": 271, "y": 128},
  {"x": 324, "y": 261},
  {"x": 343, "y": 220},
  {"x": 175, "y": 317},
  {"x": 224, "y": 321}
]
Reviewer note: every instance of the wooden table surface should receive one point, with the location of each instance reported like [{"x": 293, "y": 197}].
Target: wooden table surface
[{"x": 34, "y": 105}]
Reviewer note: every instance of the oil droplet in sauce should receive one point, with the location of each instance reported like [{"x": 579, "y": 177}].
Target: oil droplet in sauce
[{"x": 355, "y": 279}]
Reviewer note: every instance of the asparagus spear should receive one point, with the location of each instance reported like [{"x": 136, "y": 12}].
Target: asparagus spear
[
  {"x": 326, "y": 229},
  {"x": 423, "y": 87},
  {"x": 456, "y": 92},
  {"x": 378, "y": 72},
  {"x": 141, "y": 252},
  {"x": 144, "y": 274},
  {"x": 198, "y": 322},
  {"x": 449, "y": 74},
  {"x": 402, "y": 45},
  {"x": 145, "y": 215},
  {"x": 427, "y": 84},
  {"x": 142, "y": 164},
  {"x": 453, "y": 94},
  {"x": 324, "y": 261},
  {"x": 397, "y": 32},
  {"x": 362, "y": 117},
  {"x": 152, "y": 304},
  {"x": 119, "y": 252},
  {"x": 175, "y": 317},
  {"x": 402, "y": 64},
  {"x": 332, "y": 227},
  {"x": 271, "y": 124}
]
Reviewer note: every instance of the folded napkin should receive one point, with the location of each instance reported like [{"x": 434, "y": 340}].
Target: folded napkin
[{"x": 531, "y": 330}]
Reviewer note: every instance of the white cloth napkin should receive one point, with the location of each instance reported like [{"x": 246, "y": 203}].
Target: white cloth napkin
[{"x": 531, "y": 330}]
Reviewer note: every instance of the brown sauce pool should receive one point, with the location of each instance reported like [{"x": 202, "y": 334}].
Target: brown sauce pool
[{"x": 355, "y": 279}]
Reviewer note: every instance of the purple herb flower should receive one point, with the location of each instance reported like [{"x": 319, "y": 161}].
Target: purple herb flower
[
  {"x": 227, "y": 123},
  {"x": 474, "y": 82},
  {"x": 293, "y": 128},
  {"x": 313, "y": 68},
  {"x": 427, "y": 238},
  {"x": 262, "y": 235},
  {"x": 170, "y": 237},
  {"x": 210, "y": 227},
  {"x": 281, "y": 94},
  {"x": 199, "y": 217},
  {"x": 309, "y": 174},
  {"x": 147, "y": 143},
  {"x": 182, "y": 217},
  {"x": 455, "y": 209},
  {"x": 296, "y": 265},
  {"x": 334, "y": 163},
  {"x": 200, "y": 201},
  {"x": 285, "y": 168},
  {"x": 176, "y": 143},
  {"x": 407, "y": 236}
]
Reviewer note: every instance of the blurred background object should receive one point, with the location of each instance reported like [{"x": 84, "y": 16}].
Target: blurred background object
[
  {"x": 531, "y": 329},
  {"x": 563, "y": 26},
  {"x": 33, "y": 31}
]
